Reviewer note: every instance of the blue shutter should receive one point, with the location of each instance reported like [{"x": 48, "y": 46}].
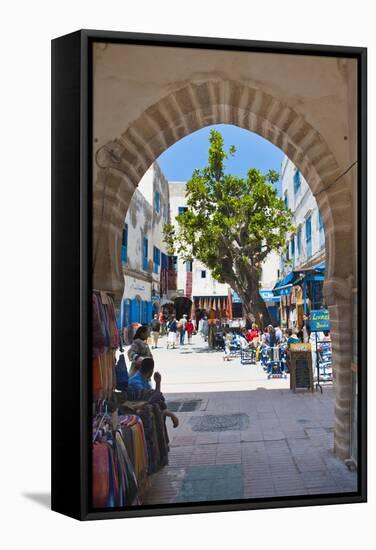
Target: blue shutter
[
  {"x": 132, "y": 317},
  {"x": 135, "y": 311},
  {"x": 144, "y": 313},
  {"x": 309, "y": 237},
  {"x": 157, "y": 202},
  {"x": 296, "y": 181},
  {"x": 120, "y": 317},
  {"x": 124, "y": 245},
  {"x": 321, "y": 232},
  {"x": 145, "y": 255},
  {"x": 293, "y": 250},
  {"x": 149, "y": 312},
  {"x": 164, "y": 261},
  {"x": 299, "y": 240}
]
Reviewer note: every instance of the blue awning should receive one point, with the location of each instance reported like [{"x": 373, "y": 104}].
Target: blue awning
[{"x": 283, "y": 288}]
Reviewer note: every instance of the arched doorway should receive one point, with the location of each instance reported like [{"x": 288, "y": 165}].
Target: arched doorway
[{"x": 179, "y": 108}]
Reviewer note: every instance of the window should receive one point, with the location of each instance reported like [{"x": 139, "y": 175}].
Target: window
[
  {"x": 308, "y": 236},
  {"x": 145, "y": 261},
  {"x": 286, "y": 200},
  {"x": 203, "y": 274},
  {"x": 157, "y": 202},
  {"x": 156, "y": 259},
  {"x": 296, "y": 181},
  {"x": 321, "y": 232},
  {"x": 124, "y": 245},
  {"x": 299, "y": 241},
  {"x": 188, "y": 266},
  {"x": 182, "y": 209},
  {"x": 172, "y": 263},
  {"x": 293, "y": 250},
  {"x": 164, "y": 261}
]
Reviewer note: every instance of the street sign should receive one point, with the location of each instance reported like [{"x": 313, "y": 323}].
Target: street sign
[{"x": 319, "y": 320}]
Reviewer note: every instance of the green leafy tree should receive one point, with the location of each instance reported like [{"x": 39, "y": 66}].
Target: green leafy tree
[{"x": 231, "y": 225}]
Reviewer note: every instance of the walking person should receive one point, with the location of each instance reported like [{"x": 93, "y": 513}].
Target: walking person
[
  {"x": 205, "y": 328},
  {"x": 139, "y": 349},
  {"x": 182, "y": 323},
  {"x": 306, "y": 328},
  {"x": 189, "y": 328},
  {"x": 171, "y": 332},
  {"x": 155, "y": 327}
]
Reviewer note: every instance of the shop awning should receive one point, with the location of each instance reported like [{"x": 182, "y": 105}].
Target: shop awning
[
  {"x": 266, "y": 295},
  {"x": 314, "y": 273},
  {"x": 283, "y": 287}
]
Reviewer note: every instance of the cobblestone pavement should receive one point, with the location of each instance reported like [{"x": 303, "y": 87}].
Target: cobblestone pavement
[{"x": 264, "y": 441}]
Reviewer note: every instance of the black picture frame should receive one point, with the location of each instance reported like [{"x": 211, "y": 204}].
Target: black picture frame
[{"x": 71, "y": 273}]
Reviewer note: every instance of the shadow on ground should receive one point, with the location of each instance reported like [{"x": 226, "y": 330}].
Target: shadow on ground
[{"x": 43, "y": 499}]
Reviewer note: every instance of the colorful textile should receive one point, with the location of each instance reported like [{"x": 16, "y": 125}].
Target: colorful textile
[
  {"x": 114, "y": 481},
  {"x": 134, "y": 437},
  {"x": 101, "y": 481},
  {"x": 104, "y": 376},
  {"x": 104, "y": 327}
]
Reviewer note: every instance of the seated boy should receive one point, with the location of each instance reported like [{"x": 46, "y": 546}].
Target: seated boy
[{"x": 141, "y": 381}]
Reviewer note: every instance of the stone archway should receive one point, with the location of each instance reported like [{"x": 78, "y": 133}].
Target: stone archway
[{"x": 121, "y": 163}]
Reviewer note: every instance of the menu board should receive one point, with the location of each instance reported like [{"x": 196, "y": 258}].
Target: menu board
[{"x": 301, "y": 374}]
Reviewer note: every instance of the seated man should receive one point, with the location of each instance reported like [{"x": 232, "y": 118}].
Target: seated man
[{"x": 141, "y": 381}]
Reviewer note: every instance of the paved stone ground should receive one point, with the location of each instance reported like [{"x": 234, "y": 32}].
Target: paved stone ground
[{"x": 281, "y": 445}]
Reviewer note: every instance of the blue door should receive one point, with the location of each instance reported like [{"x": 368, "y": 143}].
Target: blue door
[{"x": 126, "y": 312}]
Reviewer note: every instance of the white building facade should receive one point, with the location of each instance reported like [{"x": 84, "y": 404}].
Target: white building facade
[
  {"x": 305, "y": 251},
  {"x": 194, "y": 280},
  {"x": 143, "y": 250}
]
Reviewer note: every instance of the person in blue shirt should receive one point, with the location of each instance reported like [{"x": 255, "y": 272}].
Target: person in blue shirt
[{"x": 141, "y": 381}]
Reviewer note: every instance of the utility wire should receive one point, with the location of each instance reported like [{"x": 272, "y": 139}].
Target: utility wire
[{"x": 337, "y": 178}]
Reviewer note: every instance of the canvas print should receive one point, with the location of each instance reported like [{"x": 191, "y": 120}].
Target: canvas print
[{"x": 225, "y": 262}]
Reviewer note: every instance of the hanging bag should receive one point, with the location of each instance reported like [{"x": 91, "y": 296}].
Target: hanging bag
[{"x": 121, "y": 374}]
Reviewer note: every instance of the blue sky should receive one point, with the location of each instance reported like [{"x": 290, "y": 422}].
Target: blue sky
[{"x": 179, "y": 160}]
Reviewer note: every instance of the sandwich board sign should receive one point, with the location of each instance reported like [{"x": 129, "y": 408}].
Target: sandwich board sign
[{"x": 301, "y": 374}]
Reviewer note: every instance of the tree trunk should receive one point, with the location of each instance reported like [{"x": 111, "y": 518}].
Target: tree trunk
[
  {"x": 247, "y": 287},
  {"x": 263, "y": 318}
]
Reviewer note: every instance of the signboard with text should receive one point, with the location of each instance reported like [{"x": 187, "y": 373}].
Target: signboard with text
[
  {"x": 301, "y": 374},
  {"x": 319, "y": 320}
]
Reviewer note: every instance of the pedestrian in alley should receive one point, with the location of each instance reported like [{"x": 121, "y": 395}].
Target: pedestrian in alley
[
  {"x": 292, "y": 337},
  {"x": 205, "y": 328},
  {"x": 272, "y": 338},
  {"x": 139, "y": 348},
  {"x": 306, "y": 328},
  {"x": 182, "y": 323},
  {"x": 171, "y": 332},
  {"x": 189, "y": 327},
  {"x": 155, "y": 327}
]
